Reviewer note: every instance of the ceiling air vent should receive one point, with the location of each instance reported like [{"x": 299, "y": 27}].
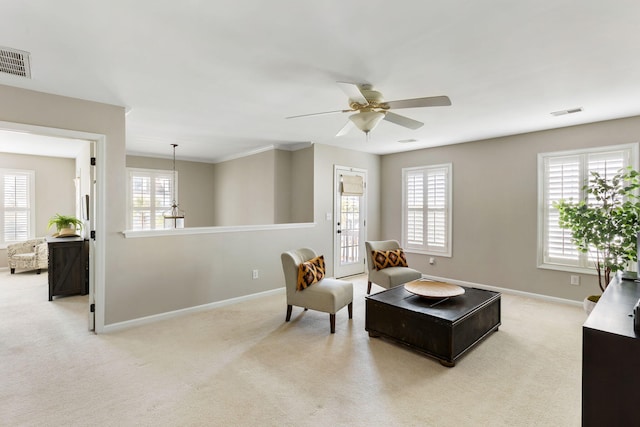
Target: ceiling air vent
[{"x": 15, "y": 62}]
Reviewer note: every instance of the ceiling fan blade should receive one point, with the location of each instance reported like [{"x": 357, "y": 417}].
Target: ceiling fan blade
[
  {"x": 345, "y": 130},
  {"x": 431, "y": 101},
  {"x": 319, "y": 114},
  {"x": 402, "y": 120},
  {"x": 353, "y": 92}
]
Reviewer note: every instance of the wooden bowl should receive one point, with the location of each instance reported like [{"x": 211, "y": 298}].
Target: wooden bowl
[{"x": 431, "y": 289}]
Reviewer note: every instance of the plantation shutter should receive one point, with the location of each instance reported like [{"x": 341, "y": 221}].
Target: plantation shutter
[
  {"x": 427, "y": 205},
  {"x": 163, "y": 197},
  {"x": 17, "y": 205},
  {"x": 140, "y": 202},
  {"x": 415, "y": 209},
  {"x": 150, "y": 195},
  {"x": 564, "y": 177},
  {"x": 563, "y": 181},
  {"x": 436, "y": 209}
]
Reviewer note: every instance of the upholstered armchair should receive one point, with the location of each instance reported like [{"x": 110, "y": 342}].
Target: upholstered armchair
[
  {"x": 28, "y": 255},
  {"x": 391, "y": 276},
  {"x": 326, "y": 294}
]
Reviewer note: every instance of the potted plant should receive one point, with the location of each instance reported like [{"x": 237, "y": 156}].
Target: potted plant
[
  {"x": 606, "y": 225},
  {"x": 65, "y": 225}
]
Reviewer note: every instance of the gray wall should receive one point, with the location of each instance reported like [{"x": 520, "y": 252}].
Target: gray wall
[
  {"x": 200, "y": 269},
  {"x": 302, "y": 178},
  {"x": 147, "y": 276},
  {"x": 266, "y": 188},
  {"x": 244, "y": 190},
  {"x": 195, "y": 187},
  {"x": 271, "y": 187},
  {"x": 495, "y": 206},
  {"x": 282, "y": 196},
  {"x": 495, "y": 194},
  {"x": 54, "y": 188}
]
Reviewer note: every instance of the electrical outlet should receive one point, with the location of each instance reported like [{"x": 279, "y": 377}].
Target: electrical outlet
[
  {"x": 255, "y": 274},
  {"x": 575, "y": 280},
  {"x": 432, "y": 260}
]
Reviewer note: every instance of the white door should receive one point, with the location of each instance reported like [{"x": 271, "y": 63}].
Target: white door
[
  {"x": 90, "y": 216},
  {"x": 350, "y": 221}
]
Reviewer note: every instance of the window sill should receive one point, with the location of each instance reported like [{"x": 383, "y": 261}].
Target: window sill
[
  {"x": 130, "y": 234},
  {"x": 438, "y": 254},
  {"x": 568, "y": 269}
]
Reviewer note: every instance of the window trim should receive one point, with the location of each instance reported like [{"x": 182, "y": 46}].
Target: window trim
[
  {"x": 153, "y": 173},
  {"x": 540, "y": 248},
  {"x": 448, "y": 250},
  {"x": 32, "y": 205}
]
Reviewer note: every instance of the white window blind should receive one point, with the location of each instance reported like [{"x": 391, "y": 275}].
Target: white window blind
[
  {"x": 562, "y": 176},
  {"x": 17, "y": 205},
  {"x": 427, "y": 209},
  {"x": 150, "y": 194}
]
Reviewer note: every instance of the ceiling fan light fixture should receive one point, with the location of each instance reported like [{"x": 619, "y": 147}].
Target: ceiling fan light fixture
[{"x": 366, "y": 121}]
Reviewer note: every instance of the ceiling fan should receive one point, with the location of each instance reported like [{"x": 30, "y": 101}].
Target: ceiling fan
[{"x": 370, "y": 108}]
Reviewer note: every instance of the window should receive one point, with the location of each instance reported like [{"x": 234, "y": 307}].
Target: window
[
  {"x": 17, "y": 205},
  {"x": 150, "y": 194},
  {"x": 426, "y": 216},
  {"x": 562, "y": 175}
]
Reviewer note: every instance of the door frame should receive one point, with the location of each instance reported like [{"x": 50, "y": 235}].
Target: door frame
[
  {"x": 97, "y": 270},
  {"x": 337, "y": 170}
]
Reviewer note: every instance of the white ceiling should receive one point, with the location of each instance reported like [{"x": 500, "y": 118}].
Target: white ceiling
[
  {"x": 28, "y": 143},
  {"x": 219, "y": 77}
]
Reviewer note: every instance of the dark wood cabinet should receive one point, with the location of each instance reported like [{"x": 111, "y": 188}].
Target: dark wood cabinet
[
  {"x": 611, "y": 359},
  {"x": 68, "y": 266}
]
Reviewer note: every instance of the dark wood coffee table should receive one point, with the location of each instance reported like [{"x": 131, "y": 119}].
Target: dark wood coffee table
[{"x": 441, "y": 328}]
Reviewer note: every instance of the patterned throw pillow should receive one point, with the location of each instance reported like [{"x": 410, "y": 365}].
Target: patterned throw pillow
[
  {"x": 310, "y": 272},
  {"x": 392, "y": 258}
]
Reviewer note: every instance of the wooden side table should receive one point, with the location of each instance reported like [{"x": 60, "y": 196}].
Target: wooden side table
[{"x": 68, "y": 266}]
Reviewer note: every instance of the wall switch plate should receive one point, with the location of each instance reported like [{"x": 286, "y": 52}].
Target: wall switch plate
[
  {"x": 575, "y": 280},
  {"x": 328, "y": 216},
  {"x": 255, "y": 274}
]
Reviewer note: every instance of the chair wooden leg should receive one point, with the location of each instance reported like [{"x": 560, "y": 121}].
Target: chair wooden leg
[
  {"x": 13, "y": 270},
  {"x": 350, "y": 308},
  {"x": 369, "y": 288},
  {"x": 38, "y": 271},
  {"x": 332, "y": 320},
  {"x": 289, "y": 307}
]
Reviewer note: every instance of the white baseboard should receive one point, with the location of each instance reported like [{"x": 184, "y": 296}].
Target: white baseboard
[
  {"x": 504, "y": 290},
  {"x": 176, "y": 313}
]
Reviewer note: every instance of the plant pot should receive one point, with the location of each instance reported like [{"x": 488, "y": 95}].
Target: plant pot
[
  {"x": 68, "y": 232},
  {"x": 588, "y": 305}
]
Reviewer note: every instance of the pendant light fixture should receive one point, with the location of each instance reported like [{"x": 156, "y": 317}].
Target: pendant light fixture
[{"x": 174, "y": 217}]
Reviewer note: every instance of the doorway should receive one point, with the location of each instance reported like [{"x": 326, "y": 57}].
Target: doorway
[
  {"x": 89, "y": 194},
  {"x": 350, "y": 225}
]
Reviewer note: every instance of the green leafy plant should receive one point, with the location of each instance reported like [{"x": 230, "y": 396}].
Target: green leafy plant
[
  {"x": 63, "y": 221},
  {"x": 606, "y": 225}
]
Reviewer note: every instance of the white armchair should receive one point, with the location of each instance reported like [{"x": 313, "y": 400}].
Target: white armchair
[
  {"x": 28, "y": 255},
  {"x": 388, "y": 277},
  {"x": 328, "y": 295}
]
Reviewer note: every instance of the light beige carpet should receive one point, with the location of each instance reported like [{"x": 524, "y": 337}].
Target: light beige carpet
[{"x": 243, "y": 365}]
